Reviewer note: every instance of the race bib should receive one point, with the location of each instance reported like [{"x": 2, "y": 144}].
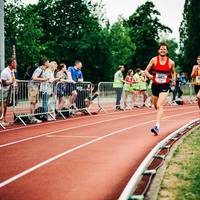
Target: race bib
[
  {"x": 198, "y": 79},
  {"x": 161, "y": 78}
]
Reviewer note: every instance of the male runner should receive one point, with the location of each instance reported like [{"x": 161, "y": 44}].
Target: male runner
[
  {"x": 195, "y": 75},
  {"x": 162, "y": 68}
]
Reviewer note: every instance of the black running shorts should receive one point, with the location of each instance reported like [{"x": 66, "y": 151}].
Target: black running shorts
[
  {"x": 196, "y": 88},
  {"x": 158, "y": 88}
]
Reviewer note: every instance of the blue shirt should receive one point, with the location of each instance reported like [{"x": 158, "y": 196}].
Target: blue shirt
[{"x": 76, "y": 74}]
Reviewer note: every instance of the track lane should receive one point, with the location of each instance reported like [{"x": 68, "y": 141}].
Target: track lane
[
  {"x": 133, "y": 138},
  {"x": 52, "y": 146},
  {"x": 31, "y": 132}
]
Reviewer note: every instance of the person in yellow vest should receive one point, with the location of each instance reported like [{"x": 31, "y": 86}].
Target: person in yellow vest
[
  {"x": 136, "y": 87},
  {"x": 195, "y": 75},
  {"x": 142, "y": 85},
  {"x": 118, "y": 86}
]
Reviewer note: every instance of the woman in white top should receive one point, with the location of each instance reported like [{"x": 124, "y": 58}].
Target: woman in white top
[{"x": 65, "y": 77}]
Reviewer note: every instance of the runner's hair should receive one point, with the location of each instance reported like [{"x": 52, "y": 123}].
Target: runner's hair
[{"x": 163, "y": 44}]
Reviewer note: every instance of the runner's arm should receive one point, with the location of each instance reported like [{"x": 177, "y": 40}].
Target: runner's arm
[
  {"x": 173, "y": 72},
  {"x": 148, "y": 68},
  {"x": 193, "y": 71}
]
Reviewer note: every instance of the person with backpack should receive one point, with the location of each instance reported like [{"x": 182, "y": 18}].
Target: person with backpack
[
  {"x": 29, "y": 71},
  {"x": 33, "y": 88}
]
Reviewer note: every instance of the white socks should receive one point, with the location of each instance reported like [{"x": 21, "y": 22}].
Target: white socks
[{"x": 158, "y": 125}]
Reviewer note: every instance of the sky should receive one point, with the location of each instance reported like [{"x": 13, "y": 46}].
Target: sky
[{"x": 171, "y": 11}]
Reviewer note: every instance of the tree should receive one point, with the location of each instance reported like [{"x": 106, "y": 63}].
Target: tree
[
  {"x": 122, "y": 46},
  {"x": 189, "y": 34},
  {"x": 173, "y": 49},
  {"x": 145, "y": 28},
  {"x": 23, "y": 26},
  {"x": 64, "y": 23},
  {"x": 12, "y": 14}
]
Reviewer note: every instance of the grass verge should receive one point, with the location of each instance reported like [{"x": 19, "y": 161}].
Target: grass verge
[{"x": 182, "y": 177}]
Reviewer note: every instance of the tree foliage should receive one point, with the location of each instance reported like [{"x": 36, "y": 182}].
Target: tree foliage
[
  {"x": 145, "y": 28},
  {"x": 23, "y": 28},
  {"x": 189, "y": 34},
  {"x": 122, "y": 46},
  {"x": 66, "y": 30}
]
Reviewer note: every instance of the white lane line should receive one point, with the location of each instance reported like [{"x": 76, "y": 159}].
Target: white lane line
[
  {"x": 71, "y": 128},
  {"x": 14, "y": 178},
  {"x": 75, "y": 127},
  {"x": 62, "y": 120},
  {"x": 70, "y": 136},
  {"x": 83, "y": 117}
]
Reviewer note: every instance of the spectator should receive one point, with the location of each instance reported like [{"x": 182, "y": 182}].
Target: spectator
[
  {"x": 142, "y": 84},
  {"x": 33, "y": 92},
  {"x": 136, "y": 86},
  {"x": 76, "y": 72},
  {"x": 85, "y": 98},
  {"x": 128, "y": 86},
  {"x": 50, "y": 73},
  {"x": 7, "y": 81},
  {"x": 118, "y": 86},
  {"x": 89, "y": 99},
  {"x": 65, "y": 87},
  {"x": 177, "y": 89},
  {"x": 183, "y": 78}
]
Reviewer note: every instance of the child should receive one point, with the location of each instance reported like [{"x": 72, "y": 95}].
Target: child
[{"x": 128, "y": 86}]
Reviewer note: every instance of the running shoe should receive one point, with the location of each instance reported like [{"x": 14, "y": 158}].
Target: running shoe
[
  {"x": 34, "y": 120},
  {"x": 155, "y": 130},
  {"x": 118, "y": 108}
]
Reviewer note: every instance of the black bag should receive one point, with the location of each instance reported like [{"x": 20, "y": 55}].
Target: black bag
[
  {"x": 24, "y": 118},
  {"x": 41, "y": 116},
  {"x": 64, "y": 111},
  {"x": 179, "y": 101}
]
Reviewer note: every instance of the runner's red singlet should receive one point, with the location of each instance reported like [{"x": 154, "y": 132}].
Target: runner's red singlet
[{"x": 161, "y": 73}]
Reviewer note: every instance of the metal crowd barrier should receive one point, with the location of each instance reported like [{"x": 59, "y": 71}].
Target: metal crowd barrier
[
  {"x": 39, "y": 94},
  {"x": 107, "y": 98},
  {"x": 74, "y": 97},
  {"x": 187, "y": 97},
  {"x": 49, "y": 96}
]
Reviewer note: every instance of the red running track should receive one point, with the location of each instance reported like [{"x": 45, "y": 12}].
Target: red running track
[{"x": 84, "y": 158}]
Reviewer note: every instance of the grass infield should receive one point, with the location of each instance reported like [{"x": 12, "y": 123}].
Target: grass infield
[{"x": 182, "y": 177}]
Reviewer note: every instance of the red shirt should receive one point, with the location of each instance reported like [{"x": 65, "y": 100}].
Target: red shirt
[
  {"x": 161, "y": 73},
  {"x": 129, "y": 79}
]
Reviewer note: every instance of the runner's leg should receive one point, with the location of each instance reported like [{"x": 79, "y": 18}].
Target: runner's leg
[{"x": 160, "y": 104}]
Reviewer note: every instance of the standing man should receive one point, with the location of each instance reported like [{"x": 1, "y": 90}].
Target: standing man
[
  {"x": 76, "y": 72},
  {"x": 195, "y": 75},
  {"x": 162, "y": 68},
  {"x": 118, "y": 85},
  {"x": 77, "y": 77},
  {"x": 7, "y": 81},
  {"x": 38, "y": 81}
]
